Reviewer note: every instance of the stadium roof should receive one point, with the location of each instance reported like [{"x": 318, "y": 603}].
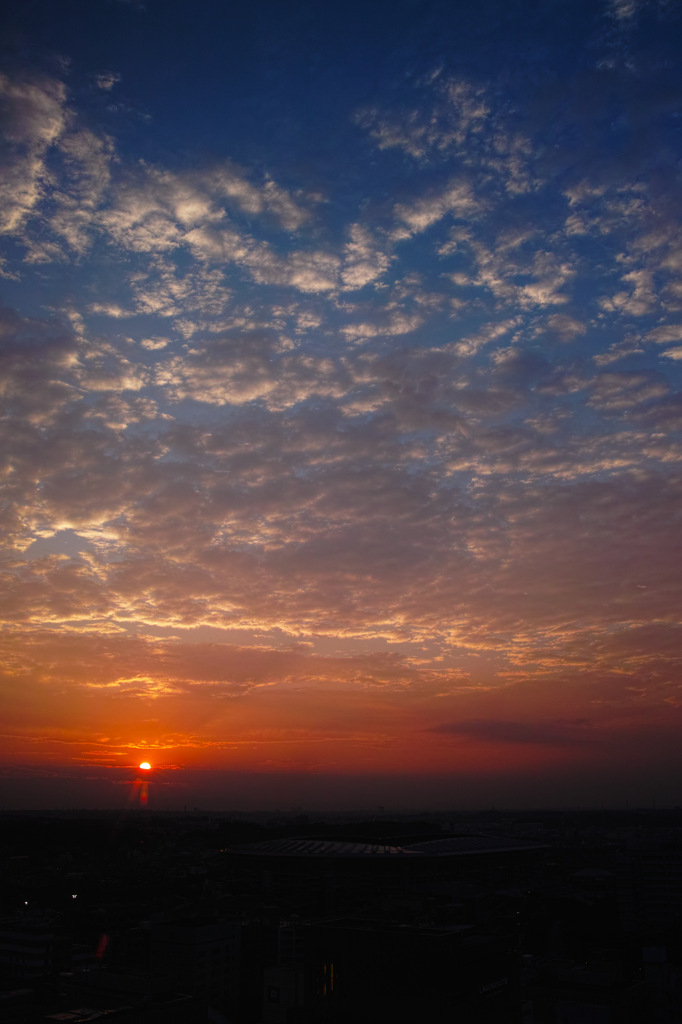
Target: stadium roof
[{"x": 445, "y": 847}]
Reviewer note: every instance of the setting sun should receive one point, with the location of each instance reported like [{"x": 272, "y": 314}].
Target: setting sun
[{"x": 145, "y": 766}]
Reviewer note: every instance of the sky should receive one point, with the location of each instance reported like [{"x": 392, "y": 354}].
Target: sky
[{"x": 340, "y": 351}]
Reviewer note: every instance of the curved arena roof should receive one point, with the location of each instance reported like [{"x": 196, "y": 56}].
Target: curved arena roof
[{"x": 448, "y": 846}]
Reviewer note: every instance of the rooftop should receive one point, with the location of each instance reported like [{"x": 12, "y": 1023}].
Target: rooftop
[{"x": 448, "y": 846}]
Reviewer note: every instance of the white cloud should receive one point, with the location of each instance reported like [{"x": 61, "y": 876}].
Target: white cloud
[
  {"x": 364, "y": 261},
  {"x": 241, "y": 368},
  {"x": 270, "y": 197},
  {"x": 459, "y": 112},
  {"x": 107, "y": 80},
  {"x": 500, "y": 268},
  {"x": 159, "y": 211},
  {"x": 155, "y": 344},
  {"x": 457, "y": 122},
  {"x": 110, "y": 309},
  {"x": 457, "y": 198},
  {"x": 639, "y": 300},
  {"x": 563, "y": 327},
  {"x": 665, "y": 333},
  {"x": 313, "y": 271},
  {"x": 628, "y": 346},
  {"x": 163, "y": 291},
  {"x": 468, "y": 346},
  {"x": 616, "y": 391},
  {"x": 34, "y": 116},
  {"x": 309, "y": 272},
  {"x": 551, "y": 277},
  {"x": 394, "y": 324}
]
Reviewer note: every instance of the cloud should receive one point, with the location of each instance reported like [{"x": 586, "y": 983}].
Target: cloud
[
  {"x": 460, "y": 112},
  {"x": 625, "y": 10},
  {"x": 435, "y": 418},
  {"x": 36, "y": 356},
  {"x": 228, "y": 181},
  {"x": 246, "y": 367},
  {"x": 639, "y": 300},
  {"x": 34, "y": 117},
  {"x": 157, "y": 210},
  {"x": 551, "y": 733},
  {"x": 457, "y": 198},
  {"x": 107, "y": 80},
  {"x": 110, "y": 309},
  {"x": 56, "y": 172},
  {"x": 364, "y": 262},
  {"x": 307, "y": 271},
  {"x": 489, "y": 332},
  {"x": 155, "y": 344},
  {"x": 459, "y": 122},
  {"x": 665, "y": 334},
  {"x": 563, "y": 327},
  {"x": 616, "y": 391},
  {"x": 390, "y": 325},
  {"x": 59, "y": 192},
  {"x": 162, "y": 290},
  {"x": 117, "y": 667}
]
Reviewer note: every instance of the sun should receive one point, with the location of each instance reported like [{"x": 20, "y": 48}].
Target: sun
[{"x": 145, "y": 766}]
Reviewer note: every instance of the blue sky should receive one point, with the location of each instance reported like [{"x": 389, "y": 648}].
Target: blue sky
[{"x": 341, "y": 359}]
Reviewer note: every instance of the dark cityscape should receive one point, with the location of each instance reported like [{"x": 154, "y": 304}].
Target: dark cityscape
[{"x": 495, "y": 917}]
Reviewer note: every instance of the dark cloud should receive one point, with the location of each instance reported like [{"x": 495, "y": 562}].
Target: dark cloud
[{"x": 552, "y": 733}]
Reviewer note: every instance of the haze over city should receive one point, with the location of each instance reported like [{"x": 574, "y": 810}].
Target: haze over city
[{"x": 340, "y": 368}]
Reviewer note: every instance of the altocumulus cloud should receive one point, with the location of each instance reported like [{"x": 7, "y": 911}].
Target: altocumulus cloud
[{"x": 417, "y": 391}]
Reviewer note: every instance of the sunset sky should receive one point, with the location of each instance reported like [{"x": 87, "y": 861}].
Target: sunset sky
[{"x": 340, "y": 370}]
